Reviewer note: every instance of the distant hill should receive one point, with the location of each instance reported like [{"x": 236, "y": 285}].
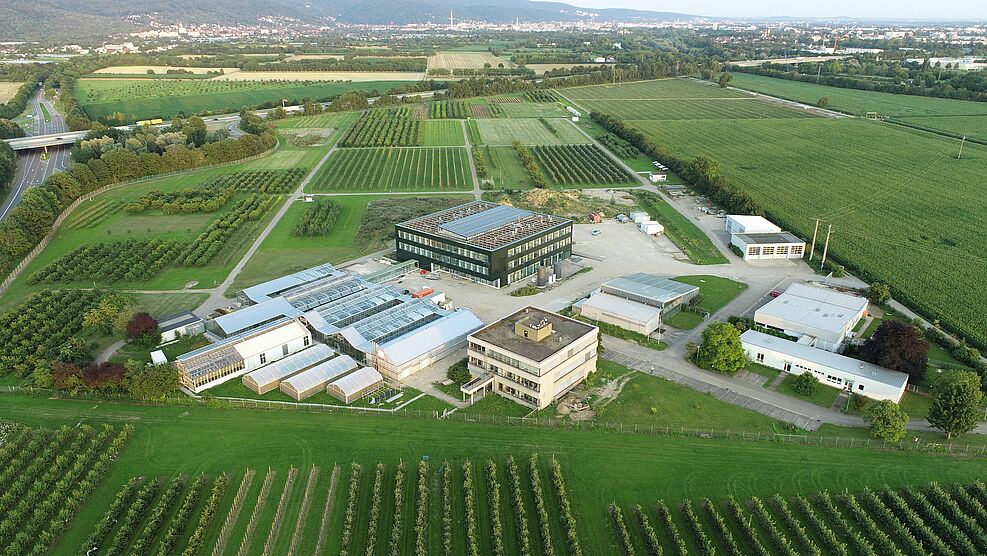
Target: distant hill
[{"x": 68, "y": 19}]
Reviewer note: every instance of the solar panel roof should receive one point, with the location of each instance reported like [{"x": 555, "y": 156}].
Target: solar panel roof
[{"x": 481, "y": 222}]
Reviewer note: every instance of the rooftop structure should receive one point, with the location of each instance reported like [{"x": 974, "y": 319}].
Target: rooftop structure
[
  {"x": 418, "y": 349},
  {"x": 562, "y": 331},
  {"x": 486, "y": 225},
  {"x": 649, "y": 289},
  {"x": 183, "y": 324},
  {"x": 826, "y": 316},
  {"x": 253, "y": 316},
  {"x": 746, "y": 224},
  {"x": 281, "y": 286}
]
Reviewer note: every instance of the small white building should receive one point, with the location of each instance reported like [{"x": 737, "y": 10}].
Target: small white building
[
  {"x": 637, "y": 302},
  {"x": 651, "y": 228},
  {"x": 833, "y": 369},
  {"x": 657, "y": 176},
  {"x": 637, "y": 217},
  {"x": 774, "y": 245},
  {"x": 819, "y": 317},
  {"x": 182, "y": 324},
  {"x": 574, "y": 113},
  {"x": 746, "y": 224}
]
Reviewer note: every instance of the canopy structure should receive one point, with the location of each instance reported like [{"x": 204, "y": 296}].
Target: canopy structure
[
  {"x": 355, "y": 385},
  {"x": 268, "y": 378},
  {"x": 311, "y": 381}
]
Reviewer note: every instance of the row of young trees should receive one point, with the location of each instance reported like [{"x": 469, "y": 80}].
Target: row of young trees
[
  {"x": 213, "y": 240},
  {"x": 383, "y": 128},
  {"x": 131, "y": 260},
  {"x": 198, "y": 536},
  {"x": 349, "y": 514},
  {"x": 528, "y": 161},
  {"x": 452, "y": 109},
  {"x": 579, "y": 164}
]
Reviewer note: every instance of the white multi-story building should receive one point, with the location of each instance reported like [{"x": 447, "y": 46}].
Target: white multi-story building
[{"x": 532, "y": 357}]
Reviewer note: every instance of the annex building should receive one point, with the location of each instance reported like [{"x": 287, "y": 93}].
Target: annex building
[
  {"x": 637, "y": 302},
  {"x": 757, "y": 238},
  {"x": 485, "y": 242},
  {"x": 833, "y": 369},
  {"x": 818, "y": 317},
  {"x": 533, "y": 357}
]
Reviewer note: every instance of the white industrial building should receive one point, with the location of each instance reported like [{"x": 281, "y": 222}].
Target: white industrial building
[
  {"x": 183, "y": 324},
  {"x": 768, "y": 245},
  {"x": 818, "y": 317},
  {"x": 637, "y": 302},
  {"x": 746, "y": 224},
  {"x": 833, "y": 369}
]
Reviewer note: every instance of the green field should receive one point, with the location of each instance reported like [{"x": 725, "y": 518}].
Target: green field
[
  {"x": 968, "y": 126},
  {"x": 692, "y": 109},
  {"x": 599, "y": 467},
  {"x": 505, "y": 169},
  {"x": 330, "y": 120},
  {"x": 859, "y": 102},
  {"x": 442, "y": 133},
  {"x": 914, "y": 226},
  {"x": 163, "y": 98},
  {"x": 557, "y": 131},
  {"x": 398, "y": 169},
  {"x": 650, "y": 90}
]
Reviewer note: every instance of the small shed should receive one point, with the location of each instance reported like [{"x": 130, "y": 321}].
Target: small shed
[
  {"x": 658, "y": 176},
  {"x": 158, "y": 357},
  {"x": 638, "y": 217},
  {"x": 183, "y": 324},
  {"x": 651, "y": 228},
  {"x": 356, "y": 385}
]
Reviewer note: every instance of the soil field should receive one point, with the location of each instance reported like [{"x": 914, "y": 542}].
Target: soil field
[
  {"x": 465, "y": 60},
  {"x": 8, "y": 89},
  {"x": 142, "y": 70}
]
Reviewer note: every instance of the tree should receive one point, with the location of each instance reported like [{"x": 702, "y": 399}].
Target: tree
[
  {"x": 878, "y": 293},
  {"x": 143, "y": 329},
  {"x": 150, "y": 382},
  {"x": 887, "y": 420},
  {"x": 353, "y": 100},
  {"x": 106, "y": 312},
  {"x": 956, "y": 402},
  {"x": 75, "y": 351},
  {"x": 311, "y": 108},
  {"x": 805, "y": 384},
  {"x": 721, "y": 349},
  {"x": 823, "y": 102},
  {"x": 9, "y": 129},
  {"x": 899, "y": 346},
  {"x": 725, "y": 80},
  {"x": 459, "y": 372},
  {"x": 251, "y": 123}
]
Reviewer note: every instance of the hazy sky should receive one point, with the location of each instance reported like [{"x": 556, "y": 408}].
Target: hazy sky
[{"x": 943, "y": 9}]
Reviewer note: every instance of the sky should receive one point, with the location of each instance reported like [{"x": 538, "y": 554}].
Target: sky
[{"x": 897, "y": 9}]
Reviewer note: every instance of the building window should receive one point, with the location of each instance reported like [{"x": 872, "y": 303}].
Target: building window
[
  {"x": 263, "y": 358},
  {"x": 860, "y": 387},
  {"x": 760, "y": 358},
  {"x": 306, "y": 341},
  {"x": 284, "y": 349}
]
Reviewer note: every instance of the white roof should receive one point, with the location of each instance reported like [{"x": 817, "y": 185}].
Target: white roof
[
  {"x": 268, "y": 290},
  {"x": 449, "y": 330},
  {"x": 271, "y": 339},
  {"x": 357, "y": 381},
  {"x": 825, "y": 358},
  {"x": 254, "y": 315},
  {"x": 753, "y": 224},
  {"x": 158, "y": 357},
  {"x": 818, "y": 308},
  {"x": 630, "y": 310},
  {"x": 319, "y": 375},
  {"x": 291, "y": 364}
]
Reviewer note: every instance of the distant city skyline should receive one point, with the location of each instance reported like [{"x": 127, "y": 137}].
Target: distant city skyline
[{"x": 965, "y": 10}]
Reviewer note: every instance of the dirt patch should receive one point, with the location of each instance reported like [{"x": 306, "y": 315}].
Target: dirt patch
[
  {"x": 465, "y": 60},
  {"x": 308, "y": 137},
  {"x": 576, "y": 404},
  {"x": 8, "y": 89},
  {"x": 420, "y": 112}
]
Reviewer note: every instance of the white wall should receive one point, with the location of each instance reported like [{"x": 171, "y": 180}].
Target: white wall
[
  {"x": 740, "y": 244},
  {"x": 295, "y": 345}
]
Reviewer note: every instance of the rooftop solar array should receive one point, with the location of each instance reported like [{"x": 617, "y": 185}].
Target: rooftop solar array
[
  {"x": 647, "y": 288},
  {"x": 484, "y": 221},
  {"x": 287, "y": 366},
  {"x": 321, "y": 374}
]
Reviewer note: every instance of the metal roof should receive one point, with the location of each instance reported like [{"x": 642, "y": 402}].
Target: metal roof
[
  {"x": 755, "y": 223},
  {"x": 482, "y": 222},
  {"x": 278, "y": 286},
  {"x": 825, "y": 358},
  {"x": 319, "y": 375},
  {"x": 625, "y": 308},
  {"x": 172, "y": 322},
  {"x": 449, "y": 330},
  {"x": 648, "y": 286},
  {"x": 769, "y": 238},
  {"x": 366, "y": 303},
  {"x": 357, "y": 381},
  {"x": 255, "y": 315},
  {"x": 325, "y": 291},
  {"x": 287, "y": 366},
  {"x": 815, "y": 307}
]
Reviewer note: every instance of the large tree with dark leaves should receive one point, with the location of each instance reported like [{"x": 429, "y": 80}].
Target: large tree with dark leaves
[{"x": 900, "y": 346}]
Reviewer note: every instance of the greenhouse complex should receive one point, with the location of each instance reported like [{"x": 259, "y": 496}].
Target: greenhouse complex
[{"x": 326, "y": 330}]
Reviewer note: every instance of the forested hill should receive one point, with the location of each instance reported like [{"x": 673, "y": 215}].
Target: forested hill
[{"x": 67, "y": 19}]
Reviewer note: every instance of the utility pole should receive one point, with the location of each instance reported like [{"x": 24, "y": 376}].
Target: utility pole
[
  {"x": 960, "y": 155},
  {"x": 812, "y": 249},
  {"x": 826, "y": 247}
]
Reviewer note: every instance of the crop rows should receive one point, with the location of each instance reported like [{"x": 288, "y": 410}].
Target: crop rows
[
  {"x": 213, "y": 240},
  {"x": 131, "y": 260},
  {"x": 379, "y": 169},
  {"x": 540, "y": 95},
  {"x": 93, "y": 214},
  {"x": 579, "y": 165},
  {"x": 383, "y": 128},
  {"x": 214, "y": 194},
  {"x": 38, "y": 327},
  {"x": 440, "y": 109}
]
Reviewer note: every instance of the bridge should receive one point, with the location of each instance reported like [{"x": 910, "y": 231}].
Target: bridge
[{"x": 39, "y": 141}]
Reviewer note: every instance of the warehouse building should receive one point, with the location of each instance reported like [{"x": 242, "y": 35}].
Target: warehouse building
[
  {"x": 768, "y": 245},
  {"x": 818, "y": 317},
  {"x": 833, "y": 369},
  {"x": 532, "y": 357},
  {"x": 637, "y": 302},
  {"x": 235, "y": 355},
  {"x": 746, "y": 224},
  {"x": 487, "y": 243},
  {"x": 312, "y": 381}
]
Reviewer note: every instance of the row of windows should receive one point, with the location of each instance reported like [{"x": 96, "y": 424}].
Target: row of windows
[
  {"x": 449, "y": 247},
  {"x": 533, "y": 267},
  {"x": 470, "y": 277},
  {"x": 507, "y": 360},
  {"x": 505, "y": 374},
  {"x": 776, "y": 250},
  {"x": 518, "y": 394},
  {"x": 788, "y": 367},
  {"x": 535, "y": 255},
  {"x": 529, "y": 245},
  {"x": 436, "y": 256}
]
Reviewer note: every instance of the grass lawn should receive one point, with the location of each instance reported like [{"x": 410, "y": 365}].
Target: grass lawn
[
  {"x": 503, "y": 132},
  {"x": 495, "y": 405},
  {"x": 764, "y": 371},
  {"x": 281, "y": 253},
  {"x": 140, "y": 353},
  {"x": 505, "y": 169},
  {"x": 684, "y": 234},
  {"x": 45, "y": 113},
  {"x": 442, "y": 133},
  {"x": 166, "y": 304},
  {"x": 684, "y": 320},
  {"x": 452, "y": 389},
  {"x": 823, "y": 396},
  {"x": 716, "y": 292}
]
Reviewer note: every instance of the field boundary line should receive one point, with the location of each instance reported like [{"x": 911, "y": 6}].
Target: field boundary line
[
  {"x": 327, "y": 511},
  {"x": 477, "y": 193}
]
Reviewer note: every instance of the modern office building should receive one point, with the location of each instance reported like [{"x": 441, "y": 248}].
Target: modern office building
[
  {"x": 532, "y": 357},
  {"x": 487, "y": 243}
]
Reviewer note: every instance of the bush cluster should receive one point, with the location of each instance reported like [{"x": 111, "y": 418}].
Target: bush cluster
[
  {"x": 130, "y": 261},
  {"x": 318, "y": 219},
  {"x": 537, "y": 176}
]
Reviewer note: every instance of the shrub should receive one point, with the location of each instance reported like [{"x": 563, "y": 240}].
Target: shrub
[{"x": 805, "y": 384}]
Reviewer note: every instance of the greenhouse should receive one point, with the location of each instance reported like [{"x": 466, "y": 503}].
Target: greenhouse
[
  {"x": 330, "y": 318},
  {"x": 311, "y": 381},
  {"x": 355, "y": 385},
  {"x": 268, "y": 378},
  {"x": 285, "y": 284}
]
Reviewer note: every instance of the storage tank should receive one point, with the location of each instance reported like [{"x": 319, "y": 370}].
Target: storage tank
[
  {"x": 557, "y": 269},
  {"x": 542, "y": 276}
]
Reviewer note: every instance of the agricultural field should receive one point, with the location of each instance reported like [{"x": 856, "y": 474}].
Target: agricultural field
[
  {"x": 365, "y": 77},
  {"x": 930, "y": 252},
  {"x": 465, "y": 60},
  {"x": 442, "y": 133},
  {"x": 693, "y": 109},
  {"x": 859, "y": 102},
  {"x": 529, "y": 131},
  {"x": 165, "y": 98},
  {"x": 383, "y": 128},
  {"x": 331, "y": 120},
  {"x": 672, "y": 88},
  {"x": 524, "y": 109},
  {"x": 505, "y": 169},
  {"x": 143, "y": 70},
  {"x": 8, "y": 89},
  {"x": 596, "y": 468},
  {"x": 579, "y": 166},
  {"x": 967, "y": 126},
  {"x": 398, "y": 169}
]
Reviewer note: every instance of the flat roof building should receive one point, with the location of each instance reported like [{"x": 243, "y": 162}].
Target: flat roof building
[
  {"x": 252, "y": 317},
  {"x": 747, "y": 224},
  {"x": 819, "y": 317},
  {"x": 637, "y": 302},
  {"x": 532, "y": 357},
  {"x": 173, "y": 327},
  {"x": 487, "y": 243},
  {"x": 768, "y": 245},
  {"x": 833, "y": 369}
]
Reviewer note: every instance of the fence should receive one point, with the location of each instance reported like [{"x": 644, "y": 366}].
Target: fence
[{"x": 9, "y": 280}]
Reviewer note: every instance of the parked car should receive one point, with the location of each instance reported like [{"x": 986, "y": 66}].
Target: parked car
[
  {"x": 597, "y": 232},
  {"x": 774, "y": 293}
]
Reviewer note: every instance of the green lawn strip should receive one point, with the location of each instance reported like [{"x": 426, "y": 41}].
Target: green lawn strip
[
  {"x": 291, "y": 512},
  {"x": 442, "y": 133},
  {"x": 263, "y": 530},
  {"x": 764, "y": 371},
  {"x": 364, "y": 499},
  {"x": 871, "y": 328},
  {"x": 824, "y": 395},
  {"x": 140, "y": 353},
  {"x": 459, "y": 543},
  {"x": 45, "y": 113},
  {"x": 552, "y": 503},
  {"x": 717, "y": 291},
  {"x": 338, "y": 511},
  {"x": 684, "y": 234},
  {"x": 483, "y": 528},
  {"x": 249, "y": 502},
  {"x": 495, "y": 405},
  {"x": 451, "y": 389},
  {"x": 428, "y": 404},
  {"x": 505, "y": 169},
  {"x": 684, "y": 320},
  {"x": 166, "y": 304}
]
